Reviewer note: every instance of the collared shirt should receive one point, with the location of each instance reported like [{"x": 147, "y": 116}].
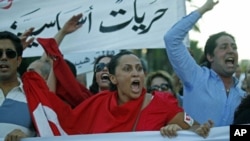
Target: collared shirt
[
  {"x": 204, "y": 92},
  {"x": 14, "y": 112}
]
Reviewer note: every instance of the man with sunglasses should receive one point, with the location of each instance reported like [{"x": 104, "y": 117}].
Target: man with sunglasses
[{"x": 15, "y": 120}]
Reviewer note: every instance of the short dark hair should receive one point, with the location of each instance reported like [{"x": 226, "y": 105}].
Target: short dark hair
[{"x": 14, "y": 39}]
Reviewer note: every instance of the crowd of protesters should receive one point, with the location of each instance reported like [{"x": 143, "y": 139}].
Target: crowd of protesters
[{"x": 122, "y": 96}]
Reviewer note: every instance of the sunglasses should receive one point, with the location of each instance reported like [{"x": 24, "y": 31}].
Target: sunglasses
[
  {"x": 9, "y": 53},
  {"x": 100, "y": 66},
  {"x": 162, "y": 87}
]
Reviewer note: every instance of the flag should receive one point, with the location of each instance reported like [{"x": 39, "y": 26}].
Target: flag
[
  {"x": 44, "y": 106},
  {"x": 71, "y": 91},
  {"x": 52, "y": 113}
]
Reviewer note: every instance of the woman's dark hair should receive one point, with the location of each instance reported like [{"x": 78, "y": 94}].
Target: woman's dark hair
[
  {"x": 14, "y": 39},
  {"x": 94, "y": 87},
  {"x": 240, "y": 117},
  {"x": 144, "y": 66},
  {"x": 210, "y": 46},
  {"x": 72, "y": 67},
  {"x": 113, "y": 64}
]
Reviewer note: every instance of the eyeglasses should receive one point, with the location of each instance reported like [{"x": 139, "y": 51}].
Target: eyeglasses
[
  {"x": 100, "y": 66},
  {"x": 162, "y": 87},
  {"x": 9, "y": 53}
]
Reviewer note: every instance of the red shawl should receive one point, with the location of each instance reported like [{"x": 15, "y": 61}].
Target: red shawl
[{"x": 103, "y": 114}]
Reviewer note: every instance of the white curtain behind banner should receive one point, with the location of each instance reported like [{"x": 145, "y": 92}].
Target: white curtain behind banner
[
  {"x": 108, "y": 25},
  {"x": 216, "y": 134}
]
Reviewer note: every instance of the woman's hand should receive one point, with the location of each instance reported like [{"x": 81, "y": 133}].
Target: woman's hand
[
  {"x": 209, "y": 5},
  {"x": 15, "y": 135},
  {"x": 170, "y": 130},
  {"x": 26, "y": 41},
  {"x": 204, "y": 129}
]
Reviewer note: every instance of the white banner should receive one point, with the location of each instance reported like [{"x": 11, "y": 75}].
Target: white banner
[
  {"x": 84, "y": 61},
  {"x": 108, "y": 25},
  {"x": 216, "y": 134}
]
